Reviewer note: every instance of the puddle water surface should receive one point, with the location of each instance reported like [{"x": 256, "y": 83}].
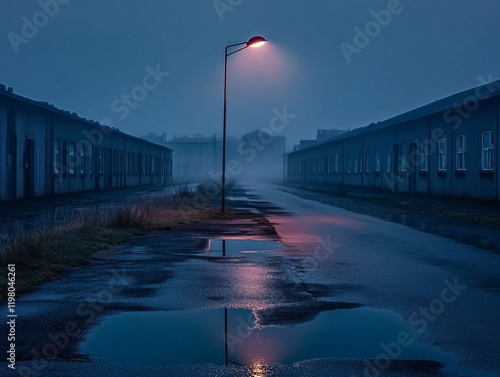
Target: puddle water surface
[
  {"x": 199, "y": 337},
  {"x": 237, "y": 247}
]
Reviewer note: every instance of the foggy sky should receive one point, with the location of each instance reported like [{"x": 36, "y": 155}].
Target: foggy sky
[{"x": 86, "y": 54}]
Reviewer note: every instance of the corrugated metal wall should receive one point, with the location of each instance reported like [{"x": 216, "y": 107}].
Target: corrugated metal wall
[
  {"x": 44, "y": 151},
  {"x": 402, "y": 146}
]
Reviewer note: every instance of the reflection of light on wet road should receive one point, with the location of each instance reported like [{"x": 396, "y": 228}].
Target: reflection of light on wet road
[
  {"x": 337, "y": 220},
  {"x": 237, "y": 246},
  {"x": 251, "y": 279}
]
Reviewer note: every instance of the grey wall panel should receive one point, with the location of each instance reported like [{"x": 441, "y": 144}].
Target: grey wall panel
[{"x": 3, "y": 151}]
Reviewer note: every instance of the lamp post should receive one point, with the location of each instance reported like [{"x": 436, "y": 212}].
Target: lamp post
[{"x": 256, "y": 41}]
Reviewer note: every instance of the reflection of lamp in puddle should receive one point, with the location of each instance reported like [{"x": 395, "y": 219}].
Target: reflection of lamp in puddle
[
  {"x": 225, "y": 333},
  {"x": 228, "y": 360},
  {"x": 258, "y": 370}
]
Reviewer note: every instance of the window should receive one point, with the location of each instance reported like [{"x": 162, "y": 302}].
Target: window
[
  {"x": 377, "y": 160},
  {"x": 101, "y": 160},
  {"x": 71, "y": 157},
  {"x": 389, "y": 158},
  {"x": 121, "y": 167},
  {"x": 129, "y": 163},
  {"x": 424, "y": 155},
  {"x": 348, "y": 162},
  {"x": 355, "y": 158},
  {"x": 461, "y": 147},
  {"x": 487, "y": 151},
  {"x": 57, "y": 156},
  {"x": 360, "y": 159},
  {"x": 367, "y": 159},
  {"x": 115, "y": 162},
  {"x": 336, "y": 163},
  {"x": 404, "y": 157},
  {"x": 82, "y": 161},
  {"x": 92, "y": 152},
  {"x": 442, "y": 154}
]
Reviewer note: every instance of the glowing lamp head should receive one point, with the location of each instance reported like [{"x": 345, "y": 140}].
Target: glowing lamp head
[{"x": 256, "y": 41}]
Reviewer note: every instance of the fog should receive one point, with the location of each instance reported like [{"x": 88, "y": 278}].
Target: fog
[{"x": 158, "y": 66}]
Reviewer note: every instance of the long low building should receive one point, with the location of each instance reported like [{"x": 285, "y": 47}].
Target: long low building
[
  {"x": 448, "y": 148},
  {"x": 48, "y": 151}
]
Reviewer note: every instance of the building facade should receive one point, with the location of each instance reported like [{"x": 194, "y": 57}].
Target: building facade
[
  {"x": 447, "y": 148},
  {"x": 195, "y": 157},
  {"x": 47, "y": 151},
  {"x": 261, "y": 154}
]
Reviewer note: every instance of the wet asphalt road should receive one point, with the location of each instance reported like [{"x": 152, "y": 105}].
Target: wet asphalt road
[
  {"x": 392, "y": 266},
  {"x": 446, "y": 291}
]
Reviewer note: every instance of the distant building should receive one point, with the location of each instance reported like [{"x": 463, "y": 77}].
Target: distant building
[
  {"x": 46, "y": 151},
  {"x": 304, "y": 144},
  {"x": 257, "y": 154},
  {"x": 448, "y": 147},
  {"x": 262, "y": 154},
  {"x": 197, "y": 157},
  {"x": 321, "y": 135}
]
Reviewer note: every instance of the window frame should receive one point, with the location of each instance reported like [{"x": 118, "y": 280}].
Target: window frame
[
  {"x": 389, "y": 159},
  {"x": 442, "y": 154},
  {"x": 424, "y": 155},
  {"x": 71, "y": 157},
  {"x": 57, "y": 156},
  {"x": 404, "y": 158},
  {"x": 487, "y": 151},
  {"x": 460, "y": 152}
]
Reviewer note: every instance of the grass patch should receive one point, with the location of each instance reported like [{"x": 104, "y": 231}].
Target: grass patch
[{"x": 45, "y": 252}]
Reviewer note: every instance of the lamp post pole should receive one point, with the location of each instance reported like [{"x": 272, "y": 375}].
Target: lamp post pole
[{"x": 252, "y": 42}]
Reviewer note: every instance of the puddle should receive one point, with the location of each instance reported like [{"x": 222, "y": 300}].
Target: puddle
[
  {"x": 239, "y": 198},
  {"x": 238, "y": 247},
  {"x": 199, "y": 337}
]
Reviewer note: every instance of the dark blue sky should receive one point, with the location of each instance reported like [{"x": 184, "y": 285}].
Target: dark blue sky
[{"x": 84, "y": 55}]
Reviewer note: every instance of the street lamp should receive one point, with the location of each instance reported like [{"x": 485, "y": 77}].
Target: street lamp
[{"x": 256, "y": 41}]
